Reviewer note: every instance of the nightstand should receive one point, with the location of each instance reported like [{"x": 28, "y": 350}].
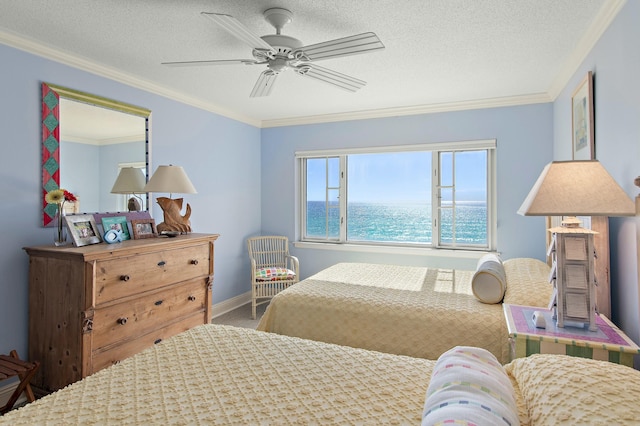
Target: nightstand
[{"x": 607, "y": 343}]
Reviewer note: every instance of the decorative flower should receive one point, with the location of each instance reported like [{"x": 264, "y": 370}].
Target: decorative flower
[
  {"x": 59, "y": 196},
  {"x": 55, "y": 196},
  {"x": 69, "y": 196}
]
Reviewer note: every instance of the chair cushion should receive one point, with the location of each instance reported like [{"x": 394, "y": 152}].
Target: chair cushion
[{"x": 274, "y": 274}]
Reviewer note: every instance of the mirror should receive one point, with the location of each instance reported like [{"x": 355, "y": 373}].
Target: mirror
[{"x": 86, "y": 139}]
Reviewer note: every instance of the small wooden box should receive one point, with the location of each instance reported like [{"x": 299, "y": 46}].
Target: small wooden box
[{"x": 607, "y": 343}]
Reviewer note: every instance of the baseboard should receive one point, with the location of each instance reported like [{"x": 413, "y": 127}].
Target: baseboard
[
  {"x": 7, "y": 390},
  {"x": 230, "y": 304}
]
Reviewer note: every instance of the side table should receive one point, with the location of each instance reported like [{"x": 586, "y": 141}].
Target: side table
[{"x": 607, "y": 343}]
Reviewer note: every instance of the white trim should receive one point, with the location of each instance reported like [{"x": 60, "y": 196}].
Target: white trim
[
  {"x": 538, "y": 98},
  {"x": 607, "y": 14},
  {"x": 609, "y": 11},
  {"x": 84, "y": 64},
  {"x": 389, "y": 249},
  {"x": 230, "y": 304},
  {"x": 437, "y": 146}
]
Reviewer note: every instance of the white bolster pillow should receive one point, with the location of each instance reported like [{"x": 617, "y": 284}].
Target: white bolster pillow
[{"x": 489, "y": 281}]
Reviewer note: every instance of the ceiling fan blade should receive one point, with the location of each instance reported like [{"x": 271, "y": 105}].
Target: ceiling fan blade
[
  {"x": 213, "y": 62},
  {"x": 352, "y": 45},
  {"x": 236, "y": 28},
  {"x": 264, "y": 85},
  {"x": 335, "y": 78}
]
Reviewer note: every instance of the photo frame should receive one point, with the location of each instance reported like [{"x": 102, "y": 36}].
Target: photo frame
[
  {"x": 143, "y": 228},
  {"x": 582, "y": 120},
  {"x": 119, "y": 223},
  {"x": 83, "y": 229}
]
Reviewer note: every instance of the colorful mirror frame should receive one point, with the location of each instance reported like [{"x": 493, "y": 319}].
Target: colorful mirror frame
[{"x": 51, "y": 135}]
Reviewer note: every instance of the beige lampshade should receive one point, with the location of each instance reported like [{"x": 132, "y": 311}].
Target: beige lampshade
[
  {"x": 171, "y": 179},
  {"x": 576, "y": 188},
  {"x": 130, "y": 180}
]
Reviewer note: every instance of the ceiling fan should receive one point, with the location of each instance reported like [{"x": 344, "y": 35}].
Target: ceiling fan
[{"x": 280, "y": 52}]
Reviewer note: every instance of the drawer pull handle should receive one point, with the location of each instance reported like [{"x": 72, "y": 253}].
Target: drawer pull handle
[
  {"x": 122, "y": 321},
  {"x": 161, "y": 263},
  {"x": 125, "y": 277},
  {"x": 194, "y": 262},
  {"x": 158, "y": 303},
  {"x": 191, "y": 298},
  {"x": 157, "y": 341}
]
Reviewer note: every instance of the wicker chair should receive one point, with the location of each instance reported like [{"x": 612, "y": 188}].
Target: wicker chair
[{"x": 272, "y": 268}]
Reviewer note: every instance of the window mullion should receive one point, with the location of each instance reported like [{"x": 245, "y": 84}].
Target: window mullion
[
  {"x": 343, "y": 198},
  {"x": 435, "y": 199}
]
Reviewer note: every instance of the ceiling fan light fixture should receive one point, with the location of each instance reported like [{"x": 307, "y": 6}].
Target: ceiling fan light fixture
[{"x": 278, "y": 17}]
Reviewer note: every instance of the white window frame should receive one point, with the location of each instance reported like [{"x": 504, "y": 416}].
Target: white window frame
[{"x": 488, "y": 144}]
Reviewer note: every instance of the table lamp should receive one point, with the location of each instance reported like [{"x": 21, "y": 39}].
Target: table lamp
[
  {"x": 130, "y": 180},
  {"x": 575, "y": 188},
  {"x": 172, "y": 179}
]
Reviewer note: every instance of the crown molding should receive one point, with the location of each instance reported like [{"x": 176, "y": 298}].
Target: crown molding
[
  {"x": 413, "y": 110},
  {"x": 84, "y": 64},
  {"x": 609, "y": 11},
  {"x": 602, "y": 21}
]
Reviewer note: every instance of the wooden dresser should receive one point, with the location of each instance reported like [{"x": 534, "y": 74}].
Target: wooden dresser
[{"x": 92, "y": 306}]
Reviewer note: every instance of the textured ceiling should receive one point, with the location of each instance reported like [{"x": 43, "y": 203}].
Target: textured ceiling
[{"x": 439, "y": 53}]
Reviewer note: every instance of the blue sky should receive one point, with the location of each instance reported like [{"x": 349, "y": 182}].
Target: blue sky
[{"x": 399, "y": 177}]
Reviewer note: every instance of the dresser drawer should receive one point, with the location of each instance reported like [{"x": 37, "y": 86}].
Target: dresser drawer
[
  {"x": 125, "y": 321},
  {"x": 105, "y": 358},
  {"x": 122, "y": 277}
]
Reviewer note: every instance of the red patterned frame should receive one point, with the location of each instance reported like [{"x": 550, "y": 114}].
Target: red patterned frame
[{"x": 50, "y": 149}]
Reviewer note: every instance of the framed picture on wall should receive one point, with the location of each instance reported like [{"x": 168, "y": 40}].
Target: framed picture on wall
[{"x": 582, "y": 120}]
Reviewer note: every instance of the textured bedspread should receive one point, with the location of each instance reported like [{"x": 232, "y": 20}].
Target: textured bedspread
[
  {"x": 220, "y": 375},
  {"x": 416, "y": 311}
]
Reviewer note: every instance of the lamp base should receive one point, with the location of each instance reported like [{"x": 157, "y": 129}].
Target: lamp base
[{"x": 173, "y": 220}]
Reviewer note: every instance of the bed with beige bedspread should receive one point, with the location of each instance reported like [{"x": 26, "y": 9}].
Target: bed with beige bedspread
[
  {"x": 415, "y": 311},
  {"x": 222, "y": 375}
]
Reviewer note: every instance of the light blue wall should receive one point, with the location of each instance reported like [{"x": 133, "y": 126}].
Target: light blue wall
[
  {"x": 615, "y": 63},
  {"x": 110, "y": 157},
  {"x": 95, "y": 169},
  {"x": 83, "y": 178},
  {"x": 220, "y": 155},
  {"x": 245, "y": 176},
  {"x": 524, "y": 137}
]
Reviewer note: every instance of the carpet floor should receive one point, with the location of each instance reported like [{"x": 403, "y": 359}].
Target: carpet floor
[{"x": 241, "y": 317}]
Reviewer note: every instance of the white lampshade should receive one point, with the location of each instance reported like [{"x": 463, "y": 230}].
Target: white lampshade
[
  {"x": 576, "y": 188},
  {"x": 130, "y": 180},
  {"x": 171, "y": 179}
]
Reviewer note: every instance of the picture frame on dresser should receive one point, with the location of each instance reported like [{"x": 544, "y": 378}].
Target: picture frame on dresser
[
  {"x": 118, "y": 223},
  {"x": 83, "y": 229},
  {"x": 143, "y": 228},
  {"x": 582, "y": 119}
]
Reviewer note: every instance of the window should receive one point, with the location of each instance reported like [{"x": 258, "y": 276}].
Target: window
[{"x": 436, "y": 195}]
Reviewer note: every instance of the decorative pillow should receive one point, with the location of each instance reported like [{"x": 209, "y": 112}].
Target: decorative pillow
[
  {"x": 469, "y": 387},
  {"x": 566, "y": 390},
  {"x": 274, "y": 274},
  {"x": 489, "y": 282},
  {"x": 528, "y": 282}
]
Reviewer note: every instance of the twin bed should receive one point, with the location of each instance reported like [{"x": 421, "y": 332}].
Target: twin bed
[
  {"x": 216, "y": 374},
  {"x": 415, "y": 311}
]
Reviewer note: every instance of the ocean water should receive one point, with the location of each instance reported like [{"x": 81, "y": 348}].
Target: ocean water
[{"x": 399, "y": 222}]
